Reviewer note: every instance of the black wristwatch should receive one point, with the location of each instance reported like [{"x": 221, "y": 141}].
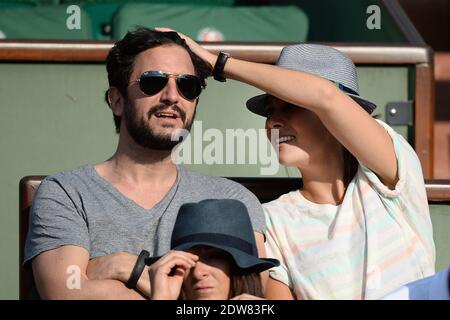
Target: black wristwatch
[
  {"x": 219, "y": 66},
  {"x": 137, "y": 270}
]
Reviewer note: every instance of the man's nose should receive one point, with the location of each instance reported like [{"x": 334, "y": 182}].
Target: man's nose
[{"x": 169, "y": 94}]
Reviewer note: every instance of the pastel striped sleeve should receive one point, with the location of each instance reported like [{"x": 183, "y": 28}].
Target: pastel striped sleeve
[
  {"x": 408, "y": 201},
  {"x": 273, "y": 250},
  {"x": 407, "y": 164}
]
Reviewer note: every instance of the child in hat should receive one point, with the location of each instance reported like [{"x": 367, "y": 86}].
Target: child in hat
[{"x": 213, "y": 255}]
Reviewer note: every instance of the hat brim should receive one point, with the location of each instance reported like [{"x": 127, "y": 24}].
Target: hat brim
[
  {"x": 246, "y": 262},
  {"x": 366, "y": 104},
  {"x": 258, "y": 104}
]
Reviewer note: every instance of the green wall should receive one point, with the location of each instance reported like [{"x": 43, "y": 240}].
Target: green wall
[
  {"x": 440, "y": 215},
  {"x": 54, "y": 118}
]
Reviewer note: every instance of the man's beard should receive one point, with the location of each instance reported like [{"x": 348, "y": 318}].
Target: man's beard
[{"x": 144, "y": 135}]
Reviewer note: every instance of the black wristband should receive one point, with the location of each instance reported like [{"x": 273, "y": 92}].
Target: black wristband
[
  {"x": 137, "y": 270},
  {"x": 219, "y": 66}
]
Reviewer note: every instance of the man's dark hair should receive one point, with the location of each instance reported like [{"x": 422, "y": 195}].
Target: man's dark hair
[{"x": 120, "y": 60}]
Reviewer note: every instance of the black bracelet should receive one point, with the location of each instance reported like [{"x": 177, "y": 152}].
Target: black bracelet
[
  {"x": 137, "y": 270},
  {"x": 219, "y": 66}
]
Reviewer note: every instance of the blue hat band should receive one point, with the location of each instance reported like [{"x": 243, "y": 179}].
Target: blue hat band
[
  {"x": 218, "y": 239},
  {"x": 344, "y": 88}
]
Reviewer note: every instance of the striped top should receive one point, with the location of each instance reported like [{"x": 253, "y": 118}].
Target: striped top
[{"x": 376, "y": 240}]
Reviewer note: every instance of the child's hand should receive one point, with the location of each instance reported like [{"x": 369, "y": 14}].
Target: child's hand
[{"x": 167, "y": 274}]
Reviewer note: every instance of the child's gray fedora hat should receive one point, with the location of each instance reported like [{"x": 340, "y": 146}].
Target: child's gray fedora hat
[
  {"x": 219, "y": 223},
  {"x": 322, "y": 61}
]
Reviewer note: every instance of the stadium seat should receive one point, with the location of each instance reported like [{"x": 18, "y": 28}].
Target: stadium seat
[
  {"x": 43, "y": 22},
  {"x": 216, "y": 23},
  {"x": 15, "y": 4}
]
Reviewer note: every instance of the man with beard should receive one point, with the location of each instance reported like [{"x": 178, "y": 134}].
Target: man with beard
[{"x": 92, "y": 227}]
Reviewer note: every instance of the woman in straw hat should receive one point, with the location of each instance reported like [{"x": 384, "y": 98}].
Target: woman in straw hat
[{"x": 359, "y": 225}]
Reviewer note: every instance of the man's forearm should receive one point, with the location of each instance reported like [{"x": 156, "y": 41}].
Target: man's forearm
[
  {"x": 118, "y": 266},
  {"x": 94, "y": 290}
]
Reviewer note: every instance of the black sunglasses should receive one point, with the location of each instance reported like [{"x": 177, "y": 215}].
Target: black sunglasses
[{"x": 152, "y": 82}]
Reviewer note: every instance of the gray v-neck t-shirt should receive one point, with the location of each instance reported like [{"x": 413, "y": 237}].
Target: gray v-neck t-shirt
[{"x": 79, "y": 207}]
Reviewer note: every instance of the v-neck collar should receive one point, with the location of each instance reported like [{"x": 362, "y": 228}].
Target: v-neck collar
[{"x": 162, "y": 204}]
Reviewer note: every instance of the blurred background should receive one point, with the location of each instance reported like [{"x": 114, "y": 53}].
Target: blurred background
[{"x": 53, "y": 79}]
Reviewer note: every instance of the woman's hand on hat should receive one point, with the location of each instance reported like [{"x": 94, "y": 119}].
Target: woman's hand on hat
[
  {"x": 167, "y": 274},
  {"x": 194, "y": 46}
]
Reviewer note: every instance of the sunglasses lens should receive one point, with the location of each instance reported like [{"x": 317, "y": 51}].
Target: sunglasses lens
[
  {"x": 152, "y": 83},
  {"x": 189, "y": 86}
]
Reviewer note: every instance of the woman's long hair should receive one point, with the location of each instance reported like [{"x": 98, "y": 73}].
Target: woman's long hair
[
  {"x": 244, "y": 283},
  {"x": 350, "y": 166}
]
